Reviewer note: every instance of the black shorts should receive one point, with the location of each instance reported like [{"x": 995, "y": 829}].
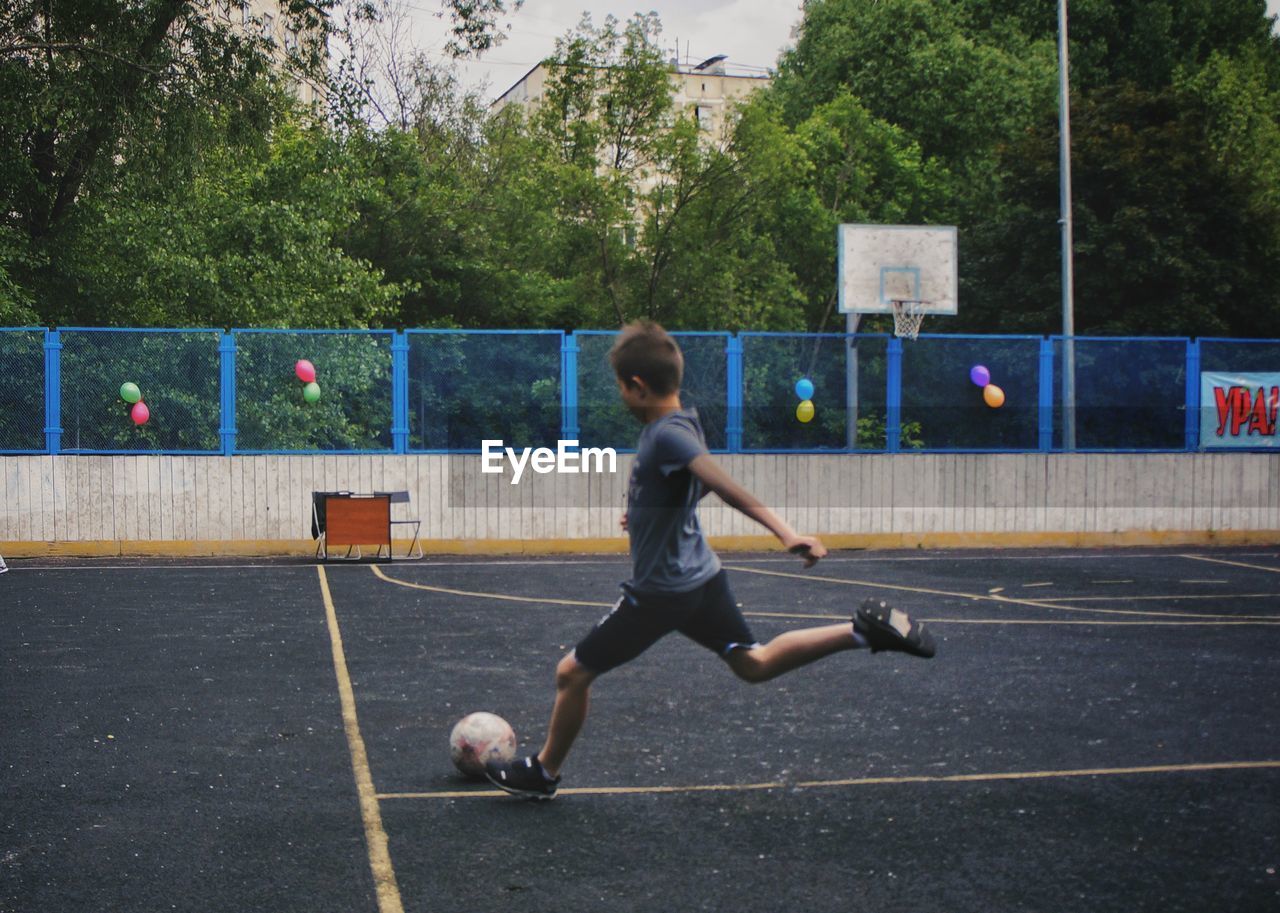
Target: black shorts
[{"x": 707, "y": 615}]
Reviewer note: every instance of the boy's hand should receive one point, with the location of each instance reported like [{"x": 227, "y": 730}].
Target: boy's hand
[
  {"x": 810, "y": 548},
  {"x": 623, "y": 522}
]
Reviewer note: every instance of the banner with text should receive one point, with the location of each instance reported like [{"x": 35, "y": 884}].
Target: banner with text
[{"x": 1239, "y": 410}]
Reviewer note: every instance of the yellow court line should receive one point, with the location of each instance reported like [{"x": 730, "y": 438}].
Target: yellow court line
[
  {"x": 858, "y": 781},
  {"x": 1262, "y": 620},
  {"x": 377, "y": 572},
  {"x": 384, "y": 876},
  {"x": 1252, "y": 567},
  {"x": 1193, "y": 618},
  {"x": 989, "y": 596},
  {"x": 1182, "y": 598}
]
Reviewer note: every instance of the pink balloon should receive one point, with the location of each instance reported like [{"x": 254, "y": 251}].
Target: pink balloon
[
  {"x": 140, "y": 413},
  {"x": 306, "y": 371}
]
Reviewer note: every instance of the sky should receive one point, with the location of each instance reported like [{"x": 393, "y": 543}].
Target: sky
[{"x": 751, "y": 32}]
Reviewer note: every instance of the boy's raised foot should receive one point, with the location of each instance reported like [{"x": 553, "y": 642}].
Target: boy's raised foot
[
  {"x": 524, "y": 778},
  {"x": 887, "y": 628}
]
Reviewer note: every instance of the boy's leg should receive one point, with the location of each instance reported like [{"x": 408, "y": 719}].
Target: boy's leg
[
  {"x": 622, "y": 635},
  {"x": 790, "y": 650},
  {"x": 573, "y": 697},
  {"x": 719, "y": 626}
]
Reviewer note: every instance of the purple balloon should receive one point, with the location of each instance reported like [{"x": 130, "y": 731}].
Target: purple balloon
[{"x": 980, "y": 375}]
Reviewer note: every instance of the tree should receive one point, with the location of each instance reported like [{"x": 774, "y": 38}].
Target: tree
[
  {"x": 1175, "y": 117},
  {"x": 1172, "y": 237},
  {"x": 249, "y": 241},
  {"x": 102, "y": 100}
]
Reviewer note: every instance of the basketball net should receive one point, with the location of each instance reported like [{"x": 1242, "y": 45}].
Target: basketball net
[{"x": 907, "y": 317}]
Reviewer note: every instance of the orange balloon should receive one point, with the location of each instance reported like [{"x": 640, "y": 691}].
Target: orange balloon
[{"x": 993, "y": 395}]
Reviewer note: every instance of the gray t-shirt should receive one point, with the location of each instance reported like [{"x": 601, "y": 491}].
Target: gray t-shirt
[{"x": 669, "y": 553}]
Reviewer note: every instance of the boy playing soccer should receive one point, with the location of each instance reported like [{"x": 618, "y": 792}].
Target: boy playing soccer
[{"x": 677, "y": 583}]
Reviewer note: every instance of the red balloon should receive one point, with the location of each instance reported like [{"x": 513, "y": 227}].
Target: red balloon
[
  {"x": 306, "y": 371},
  {"x": 140, "y": 413}
]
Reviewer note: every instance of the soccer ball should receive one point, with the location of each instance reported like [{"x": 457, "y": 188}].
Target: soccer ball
[{"x": 479, "y": 738}]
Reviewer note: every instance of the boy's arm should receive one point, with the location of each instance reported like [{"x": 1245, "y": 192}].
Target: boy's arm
[{"x": 715, "y": 479}]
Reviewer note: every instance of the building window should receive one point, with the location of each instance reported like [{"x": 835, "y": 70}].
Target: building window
[
  {"x": 245, "y": 19},
  {"x": 268, "y": 25},
  {"x": 291, "y": 40},
  {"x": 704, "y": 118}
]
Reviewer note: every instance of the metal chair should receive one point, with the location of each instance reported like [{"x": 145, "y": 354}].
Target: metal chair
[{"x": 415, "y": 546}]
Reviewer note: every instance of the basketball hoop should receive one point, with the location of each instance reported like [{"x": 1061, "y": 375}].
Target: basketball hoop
[{"x": 907, "y": 317}]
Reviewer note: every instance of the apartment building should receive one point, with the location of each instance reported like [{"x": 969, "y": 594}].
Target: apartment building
[
  {"x": 268, "y": 19},
  {"x": 707, "y": 91}
]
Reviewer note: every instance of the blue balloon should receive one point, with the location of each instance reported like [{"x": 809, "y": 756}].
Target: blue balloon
[{"x": 804, "y": 388}]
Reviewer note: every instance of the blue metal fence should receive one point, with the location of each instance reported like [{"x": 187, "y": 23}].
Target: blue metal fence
[{"x": 445, "y": 391}]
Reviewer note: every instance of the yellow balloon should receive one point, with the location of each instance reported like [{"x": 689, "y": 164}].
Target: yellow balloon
[
  {"x": 804, "y": 411},
  {"x": 993, "y": 395}
]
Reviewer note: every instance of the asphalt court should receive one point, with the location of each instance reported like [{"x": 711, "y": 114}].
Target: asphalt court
[{"x": 1097, "y": 733}]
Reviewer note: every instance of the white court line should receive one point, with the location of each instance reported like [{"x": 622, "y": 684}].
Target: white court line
[
  {"x": 1186, "y": 596},
  {"x": 1041, "y": 604},
  {"x": 992, "y": 777},
  {"x": 166, "y": 567},
  {"x": 622, "y": 560},
  {"x": 1253, "y": 567}
]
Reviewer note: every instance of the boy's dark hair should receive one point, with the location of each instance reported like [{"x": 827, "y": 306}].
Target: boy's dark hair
[{"x": 645, "y": 350}]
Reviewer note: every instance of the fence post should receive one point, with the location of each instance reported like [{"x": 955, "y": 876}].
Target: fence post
[
  {"x": 1046, "y": 395},
  {"x": 400, "y": 392},
  {"x": 52, "y": 391},
  {"x": 893, "y": 397},
  {"x": 568, "y": 387},
  {"x": 1193, "y": 395},
  {"x": 227, "y": 362},
  {"x": 733, "y": 395}
]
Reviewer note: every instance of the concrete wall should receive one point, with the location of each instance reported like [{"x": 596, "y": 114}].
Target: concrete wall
[{"x": 261, "y": 504}]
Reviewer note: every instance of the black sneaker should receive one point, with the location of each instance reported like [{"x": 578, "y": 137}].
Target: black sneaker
[
  {"x": 522, "y": 778},
  {"x": 887, "y": 628}
]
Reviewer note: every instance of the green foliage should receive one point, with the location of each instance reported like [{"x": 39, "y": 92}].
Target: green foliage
[
  {"x": 1175, "y": 111},
  {"x": 249, "y": 241},
  {"x": 155, "y": 169}
]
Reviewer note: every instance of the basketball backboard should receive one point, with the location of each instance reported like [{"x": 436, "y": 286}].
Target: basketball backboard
[{"x": 880, "y": 264}]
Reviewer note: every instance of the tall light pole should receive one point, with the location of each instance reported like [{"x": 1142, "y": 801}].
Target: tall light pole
[{"x": 1068, "y": 276}]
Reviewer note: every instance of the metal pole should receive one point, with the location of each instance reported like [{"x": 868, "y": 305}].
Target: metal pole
[
  {"x": 1068, "y": 277},
  {"x": 851, "y": 381}
]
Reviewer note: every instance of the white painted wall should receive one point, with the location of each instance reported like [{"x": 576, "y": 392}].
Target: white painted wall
[{"x": 65, "y": 499}]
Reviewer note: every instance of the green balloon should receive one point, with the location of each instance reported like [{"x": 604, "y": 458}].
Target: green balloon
[
  {"x": 311, "y": 392},
  {"x": 130, "y": 393}
]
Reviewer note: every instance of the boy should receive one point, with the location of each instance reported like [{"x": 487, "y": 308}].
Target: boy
[{"x": 677, "y": 583}]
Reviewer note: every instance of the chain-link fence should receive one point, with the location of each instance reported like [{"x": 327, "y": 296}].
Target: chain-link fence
[
  {"x": 944, "y": 407},
  {"x": 353, "y": 373},
  {"x": 209, "y": 391},
  {"x": 840, "y": 370},
  {"x": 1130, "y": 394},
  {"x": 605, "y": 422},
  {"x": 175, "y": 371},
  {"x": 22, "y": 405},
  {"x": 468, "y": 387}
]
